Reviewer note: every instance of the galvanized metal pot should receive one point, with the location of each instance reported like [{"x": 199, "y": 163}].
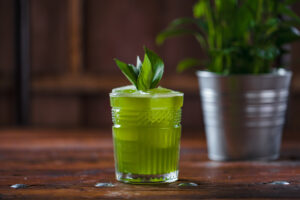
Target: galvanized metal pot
[{"x": 244, "y": 114}]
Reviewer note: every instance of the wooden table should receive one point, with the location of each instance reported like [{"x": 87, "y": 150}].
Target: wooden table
[{"x": 68, "y": 164}]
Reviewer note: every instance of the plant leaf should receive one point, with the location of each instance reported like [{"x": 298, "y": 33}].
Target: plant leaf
[
  {"x": 291, "y": 22},
  {"x": 145, "y": 77},
  {"x": 188, "y": 63},
  {"x": 290, "y": 2},
  {"x": 162, "y": 36},
  {"x": 268, "y": 53},
  {"x": 138, "y": 63},
  {"x": 157, "y": 67},
  {"x": 285, "y": 35},
  {"x": 133, "y": 68},
  {"x": 200, "y": 8},
  {"x": 285, "y": 10},
  {"x": 202, "y": 41},
  {"x": 200, "y": 23},
  {"x": 182, "y": 21},
  {"x": 129, "y": 71}
]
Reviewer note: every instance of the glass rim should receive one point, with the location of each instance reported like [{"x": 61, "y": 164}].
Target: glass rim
[{"x": 141, "y": 94}]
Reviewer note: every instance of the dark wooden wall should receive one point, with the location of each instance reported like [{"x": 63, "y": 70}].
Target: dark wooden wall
[{"x": 73, "y": 43}]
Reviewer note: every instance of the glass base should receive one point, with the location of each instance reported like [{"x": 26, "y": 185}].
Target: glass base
[
  {"x": 147, "y": 179},
  {"x": 242, "y": 158}
]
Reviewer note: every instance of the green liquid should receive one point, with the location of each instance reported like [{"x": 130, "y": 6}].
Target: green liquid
[
  {"x": 138, "y": 151},
  {"x": 146, "y": 131}
]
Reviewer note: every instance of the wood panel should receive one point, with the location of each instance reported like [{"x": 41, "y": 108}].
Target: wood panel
[
  {"x": 55, "y": 111},
  {"x": 119, "y": 29},
  {"x": 76, "y": 29},
  {"x": 6, "y": 38},
  {"x": 292, "y": 122},
  {"x": 49, "y": 37},
  {"x": 7, "y": 112},
  {"x": 295, "y": 59},
  {"x": 7, "y": 109},
  {"x": 97, "y": 112}
]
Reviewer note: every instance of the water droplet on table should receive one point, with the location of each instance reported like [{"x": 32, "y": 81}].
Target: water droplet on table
[
  {"x": 279, "y": 183},
  {"x": 19, "y": 186},
  {"x": 187, "y": 184},
  {"x": 104, "y": 185}
]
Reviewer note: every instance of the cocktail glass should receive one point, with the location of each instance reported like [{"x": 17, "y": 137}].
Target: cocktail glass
[{"x": 146, "y": 134}]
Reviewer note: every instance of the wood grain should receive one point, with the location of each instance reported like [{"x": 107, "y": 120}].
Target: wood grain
[
  {"x": 67, "y": 164},
  {"x": 76, "y": 36},
  {"x": 49, "y": 37},
  {"x": 7, "y": 62},
  {"x": 93, "y": 84}
]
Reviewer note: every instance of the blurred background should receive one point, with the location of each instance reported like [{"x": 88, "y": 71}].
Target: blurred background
[{"x": 65, "y": 79}]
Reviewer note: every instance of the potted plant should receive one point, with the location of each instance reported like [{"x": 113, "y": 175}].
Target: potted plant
[{"x": 243, "y": 91}]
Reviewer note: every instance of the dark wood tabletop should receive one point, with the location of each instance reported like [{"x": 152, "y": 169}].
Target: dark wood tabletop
[{"x": 66, "y": 164}]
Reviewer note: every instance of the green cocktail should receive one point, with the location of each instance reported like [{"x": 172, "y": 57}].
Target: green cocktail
[{"x": 146, "y": 134}]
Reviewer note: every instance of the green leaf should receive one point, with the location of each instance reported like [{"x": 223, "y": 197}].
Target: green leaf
[
  {"x": 129, "y": 71},
  {"x": 291, "y": 22},
  {"x": 269, "y": 53},
  {"x": 138, "y": 63},
  {"x": 188, "y": 63},
  {"x": 202, "y": 24},
  {"x": 200, "y": 8},
  {"x": 290, "y": 2},
  {"x": 168, "y": 33},
  {"x": 182, "y": 21},
  {"x": 145, "y": 77},
  {"x": 133, "y": 68},
  {"x": 157, "y": 67},
  {"x": 285, "y": 35},
  {"x": 285, "y": 10},
  {"x": 179, "y": 22}
]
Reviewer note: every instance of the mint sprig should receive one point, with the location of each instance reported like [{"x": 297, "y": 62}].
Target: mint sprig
[{"x": 145, "y": 75}]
